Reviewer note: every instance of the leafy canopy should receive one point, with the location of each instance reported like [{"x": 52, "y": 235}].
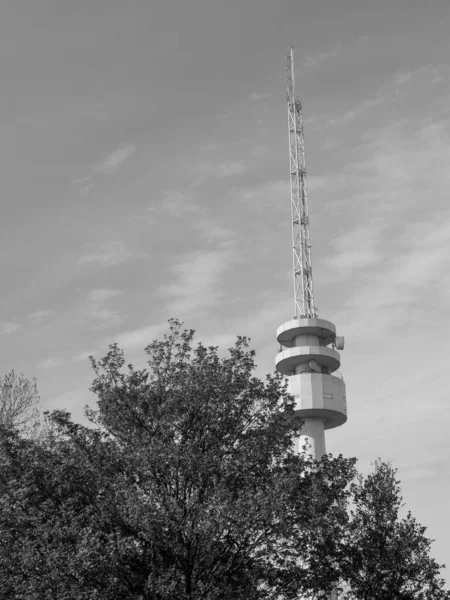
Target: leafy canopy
[{"x": 187, "y": 487}]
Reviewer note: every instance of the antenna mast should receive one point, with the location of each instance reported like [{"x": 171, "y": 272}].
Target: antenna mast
[{"x": 301, "y": 245}]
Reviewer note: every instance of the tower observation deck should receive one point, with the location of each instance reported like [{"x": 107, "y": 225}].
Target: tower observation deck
[{"x": 309, "y": 354}]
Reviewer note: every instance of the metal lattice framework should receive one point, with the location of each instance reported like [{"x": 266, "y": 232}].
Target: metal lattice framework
[{"x": 303, "y": 280}]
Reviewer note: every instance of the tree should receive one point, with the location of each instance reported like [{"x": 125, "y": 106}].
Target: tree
[
  {"x": 388, "y": 556},
  {"x": 188, "y": 489},
  {"x": 19, "y": 403},
  {"x": 55, "y": 539}
]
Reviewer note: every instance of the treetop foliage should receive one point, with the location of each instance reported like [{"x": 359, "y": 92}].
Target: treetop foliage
[
  {"x": 186, "y": 486},
  {"x": 19, "y": 403}
]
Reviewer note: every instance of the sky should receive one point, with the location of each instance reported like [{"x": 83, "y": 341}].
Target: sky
[{"x": 144, "y": 174}]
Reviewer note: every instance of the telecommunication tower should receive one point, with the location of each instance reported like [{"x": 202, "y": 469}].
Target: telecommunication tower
[
  {"x": 310, "y": 355},
  {"x": 301, "y": 245}
]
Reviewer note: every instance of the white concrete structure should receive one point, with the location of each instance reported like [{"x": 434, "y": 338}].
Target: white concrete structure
[
  {"x": 309, "y": 359},
  {"x": 308, "y": 355}
]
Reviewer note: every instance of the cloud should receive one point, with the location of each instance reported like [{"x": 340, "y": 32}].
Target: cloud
[
  {"x": 83, "y": 356},
  {"x": 81, "y": 180},
  {"x": 72, "y": 400},
  {"x": 109, "y": 254},
  {"x": 115, "y": 160},
  {"x": 426, "y": 260},
  {"x": 264, "y": 211},
  {"x": 437, "y": 79},
  {"x": 149, "y": 215},
  {"x": 109, "y": 165},
  {"x": 399, "y": 83},
  {"x": 315, "y": 60},
  {"x": 404, "y": 77},
  {"x": 6, "y": 328},
  {"x": 195, "y": 283},
  {"x": 105, "y": 317},
  {"x": 259, "y": 151},
  {"x": 203, "y": 172},
  {"x": 196, "y": 286},
  {"x": 39, "y": 315},
  {"x": 230, "y": 169},
  {"x": 141, "y": 336},
  {"x": 359, "y": 248},
  {"x": 97, "y": 310},
  {"x": 49, "y": 363},
  {"x": 330, "y": 144},
  {"x": 384, "y": 95},
  {"x": 256, "y": 97},
  {"x": 177, "y": 203},
  {"x": 398, "y": 264},
  {"x": 431, "y": 72},
  {"x": 223, "y": 340},
  {"x": 214, "y": 232},
  {"x": 197, "y": 277},
  {"x": 84, "y": 185},
  {"x": 268, "y": 196},
  {"x": 102, "y": 295},
  {"x": 317, "y": 182}
]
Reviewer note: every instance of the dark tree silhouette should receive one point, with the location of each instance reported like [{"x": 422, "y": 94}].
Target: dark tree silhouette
[{"x": 188, "y": 488}]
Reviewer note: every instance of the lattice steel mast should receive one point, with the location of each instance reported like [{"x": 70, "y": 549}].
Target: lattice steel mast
[{"x": 301, "y": 245}]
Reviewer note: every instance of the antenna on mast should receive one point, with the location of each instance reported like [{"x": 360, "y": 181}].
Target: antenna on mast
[
  {"x": 301, "y": 245},
  {"x": 308, "y": 355}
]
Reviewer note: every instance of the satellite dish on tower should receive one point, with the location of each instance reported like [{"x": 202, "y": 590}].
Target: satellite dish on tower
[{"x": 340, "y": 342}]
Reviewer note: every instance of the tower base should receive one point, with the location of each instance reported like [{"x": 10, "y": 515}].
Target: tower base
[{"x": 313, "y": 435}]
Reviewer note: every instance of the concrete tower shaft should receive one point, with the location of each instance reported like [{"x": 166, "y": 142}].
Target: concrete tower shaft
[{"x": 309, "y": 362}]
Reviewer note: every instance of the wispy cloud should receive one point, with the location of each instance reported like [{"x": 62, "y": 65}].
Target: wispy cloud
[
  {"x": 260, "y": 152},
  {"x": 115, "y": 160},
  {"x": 258, "y": 97},
  {"x": 384, "y": 95},
  {"x": 83, "y": 356},
  {"x": 203, "y": 172},
  {"x": 107, "y": 166},
  {"x": 431, "y": 72},
  {"x": 140, "y": 337},
  {"x": 394, "y": 87},
  {"x": 6, "y": 328},
  {"x": 98, "y": 311},
  {"x": 314, "y": 60},
  {"x": 426, "y": 261},
  {"x": 103, "y": 294},
  {"x": 182, "y": 202},
  {"x": 177, "y": 203},
  {"x": 396, "y": 264},
  {"x": 317, "y": 182},
  {"x": 266, "y": 194},
  {"x": 399, "y": 291},
  {"x": 108, "y": 254},
  {"x": 222, "y": 340},
  {"x": 359, "y": 248},
  {"x": 230, "y": 169},
  {"x": 49, "y": 363},
  {"x": 330, "y": 144},
  {"x": 84, "y": 185},
  {"x": 197, "y": 276},
  {"x": 215, "y": 232},
  {"x": 39, "y": 315}
]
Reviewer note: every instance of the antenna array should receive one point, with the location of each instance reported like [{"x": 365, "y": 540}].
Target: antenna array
[{"x": 301, "y": 245}]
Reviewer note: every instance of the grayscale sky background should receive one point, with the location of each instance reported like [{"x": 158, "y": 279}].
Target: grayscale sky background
[{"x": 144, "y": 175}]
